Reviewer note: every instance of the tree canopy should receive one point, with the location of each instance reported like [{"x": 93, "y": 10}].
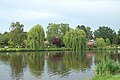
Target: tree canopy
[
  {"x": 56, "y": 30},
  {"x": 75, "y": 39},
  {"x": 36, "y": 37},
  {"x": 119, "y": 36},
  {"x": 87, "y": 30},
  {"x": 16, "y": 34},
  {"x": 114, "y": 38},
  {"x": 55, "y": 34},
  {"x": 104, "y": 32}
]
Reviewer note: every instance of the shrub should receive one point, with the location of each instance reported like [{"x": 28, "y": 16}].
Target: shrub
[
  {"x": 107, "y": 65},
  {"x": 100, "y": 43}
]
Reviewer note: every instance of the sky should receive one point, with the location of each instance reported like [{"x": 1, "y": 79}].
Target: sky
[{"x": 92, "y": 13}]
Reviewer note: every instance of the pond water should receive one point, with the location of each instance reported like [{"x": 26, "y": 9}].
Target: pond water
[{"x": 51, "y": 65}]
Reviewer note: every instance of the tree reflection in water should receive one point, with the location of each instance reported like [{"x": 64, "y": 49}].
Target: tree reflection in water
[
  {"x": 61, "y": 63},
  {"x": 42, "y": 65},
  {"x": 35, "y": 62},
  {"x": 16, "y": 62}
]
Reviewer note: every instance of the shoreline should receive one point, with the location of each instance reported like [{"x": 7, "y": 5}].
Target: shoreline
[{"x": 50, "y": 49}]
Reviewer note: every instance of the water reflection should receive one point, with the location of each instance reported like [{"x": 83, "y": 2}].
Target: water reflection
[
  {"x": 35, "y": 62},
  {"x": 115, "y": 55},
  {"x": 16, "y": 62},
  {"x": 52, "y": 65}
]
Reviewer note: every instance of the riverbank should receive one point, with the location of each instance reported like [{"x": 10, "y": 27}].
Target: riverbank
[
  {"x": 108, "y": 77},
  {"x": 31, "y": 50},
  {"x": 107, "y": 69},
  {"x": 50, "y": 49}
]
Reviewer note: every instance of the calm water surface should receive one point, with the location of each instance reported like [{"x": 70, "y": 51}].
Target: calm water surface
[{"x": 51, "y": 65}]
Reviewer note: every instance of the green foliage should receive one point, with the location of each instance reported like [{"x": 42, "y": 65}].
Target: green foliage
[
  {"x": 107, "y": 77},
  {"x": 100, "y": 43},
  {"x": 1, "y": 40},
  {"x": 89, "y": 33},
  {"x": 104, "y": 32},
  {"x": 36, "y": 37},
  {"x": 119, "y": 36},
  {"x": 82, "y": 27},
  {"x": 16, "y": 35},
  {"x": 18, "y": 38},
  {"x": 58, "y": 49},
  {"x": 115, "y": 77},
  {"x": 107, "y": 66},
  {"x": 107, "y": 69},
  {"x": 75, "y": 39},
  {"x": 4, "y": 38},
  {"x": 87, "y": 30},
  {"x": 114, "y": 38},
  {"x": 107, "y": 42},
  {"x": 57, "y": 30},
  {"x": 29, "y": 49}
]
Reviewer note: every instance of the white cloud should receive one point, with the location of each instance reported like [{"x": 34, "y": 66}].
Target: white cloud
[
  {"x": 29, "y": 14},
  {"x": 22, "y": 14},
  {"x": 89, "y": 12}
]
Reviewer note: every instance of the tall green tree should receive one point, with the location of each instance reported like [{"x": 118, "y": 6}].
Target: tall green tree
[
  {"x": 16, "y": 34},
  {"x": 56, "y": 30},
  {"x": 104, "y": 32},
  {"x": 36, "y": 37},
  {"x": 75, "y": 39}
]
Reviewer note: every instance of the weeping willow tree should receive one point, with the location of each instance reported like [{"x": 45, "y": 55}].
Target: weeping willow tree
[
  {"x": 36, "y": 37},
  {"x": 75, "y": 39}
]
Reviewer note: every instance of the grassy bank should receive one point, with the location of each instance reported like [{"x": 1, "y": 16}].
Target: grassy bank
[
  {"x": 107, "y": 69},
  {"x": 49, "y": 49},
  {"x": 105, "y": 48},
  {"x": 29, "y": 50},
  {"x": 107, "y": 77}
]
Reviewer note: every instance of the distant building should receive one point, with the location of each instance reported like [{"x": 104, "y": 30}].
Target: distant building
[{"x": 90, "y": 44}]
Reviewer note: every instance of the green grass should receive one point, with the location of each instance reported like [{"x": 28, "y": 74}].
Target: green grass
[
  {"x": 104, "y": 48},
  {"x": 107, "y": 69},
  {"x": 15, "y": 49},
  {"x": 107, "y": 65},
  {"x": 50, "y": 49},
  {"x": 28, "y": 49},
  {"x": 107, "y": 77},
  {"x": 58, "y": 49}
]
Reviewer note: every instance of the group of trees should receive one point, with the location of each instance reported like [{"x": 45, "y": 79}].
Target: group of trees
[
  {"x": 58, "y": 35},
  {"x": 56, "y": 32},
  {"x": 105, "y": 36},
  {"x": 15, "y": 38}
]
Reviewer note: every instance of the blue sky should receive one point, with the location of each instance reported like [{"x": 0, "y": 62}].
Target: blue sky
[{"x": 93, "y": 13}]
